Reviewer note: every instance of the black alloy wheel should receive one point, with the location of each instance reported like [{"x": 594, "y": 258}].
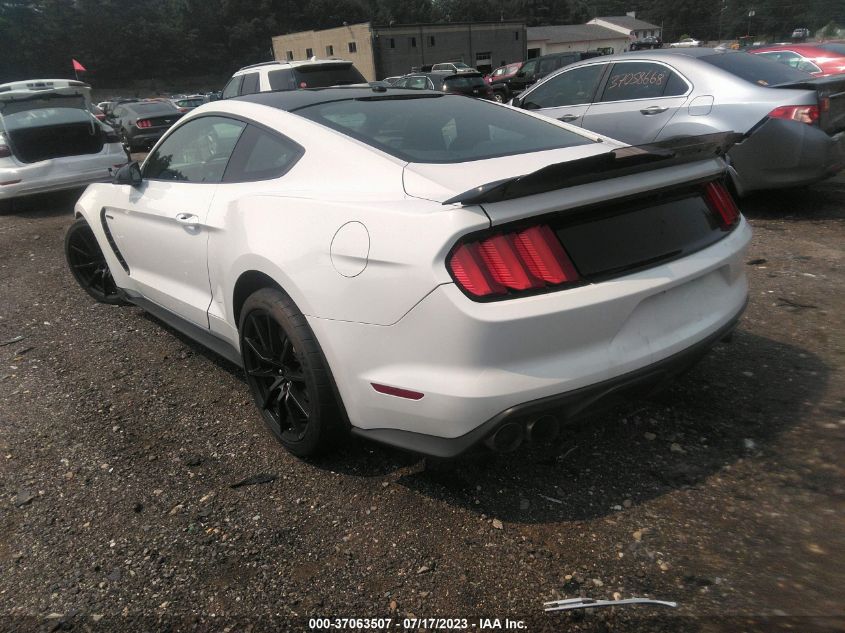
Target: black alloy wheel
[
  {"x": 88, "y": 264},
  {"x": 286, "y": 373}
]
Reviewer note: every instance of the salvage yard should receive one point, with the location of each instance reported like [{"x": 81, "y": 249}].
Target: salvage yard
[{"x": 121, "y": 443}]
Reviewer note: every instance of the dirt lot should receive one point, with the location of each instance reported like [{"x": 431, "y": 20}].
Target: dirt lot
[{"x": 120, "y": 441}]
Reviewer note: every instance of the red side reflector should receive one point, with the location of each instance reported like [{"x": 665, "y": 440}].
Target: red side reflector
[
  {"x": 396, "y": 391},
  {"x": 721, "y": 201},
  {"x": 144, "y": 123}
]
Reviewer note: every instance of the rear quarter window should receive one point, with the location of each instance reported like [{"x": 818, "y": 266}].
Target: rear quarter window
[{"x": 329, "y": 75}]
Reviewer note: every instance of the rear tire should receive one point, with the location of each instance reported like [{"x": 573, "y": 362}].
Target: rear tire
[
  {"x": 499, "y": 97},
  {"x": 88, "y": 264},
  {"x": 287, "y": 374}
]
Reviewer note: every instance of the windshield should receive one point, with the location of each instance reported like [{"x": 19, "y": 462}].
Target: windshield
[
  {"x": 441, "y": 129},
  {"x": 324, "y": 76},
  {"x": 756, "y": 69},
  {"x": 462, "y": 81}
]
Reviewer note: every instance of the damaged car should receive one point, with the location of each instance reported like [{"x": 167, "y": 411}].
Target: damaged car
[
  {"x": 50, "y": 140},
  {"x": 793, "y": 124},
  {"x": 418, "y": 268}
]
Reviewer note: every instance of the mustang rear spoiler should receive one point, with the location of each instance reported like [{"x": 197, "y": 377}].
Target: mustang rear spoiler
[{"x": 619, "y": 162}]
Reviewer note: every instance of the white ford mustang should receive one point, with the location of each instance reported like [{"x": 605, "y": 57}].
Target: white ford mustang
[{"x": 429, "y": 271}]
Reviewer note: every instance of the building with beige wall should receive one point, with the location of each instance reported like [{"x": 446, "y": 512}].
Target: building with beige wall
[
  {"x": 383, "y": 51},
  {"x": 352, "y": 42}
]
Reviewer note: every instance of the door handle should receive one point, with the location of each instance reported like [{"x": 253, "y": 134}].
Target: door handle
[
  {"x": 653, "y": 110},
  {"x": 187, "y": 218},
  {"x": 566, "y": 118}
]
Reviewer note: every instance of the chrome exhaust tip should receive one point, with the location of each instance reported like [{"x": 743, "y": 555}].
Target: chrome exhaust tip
[
  {"x": 543, "y": 429},
  {"x": 507, "y": 438}
]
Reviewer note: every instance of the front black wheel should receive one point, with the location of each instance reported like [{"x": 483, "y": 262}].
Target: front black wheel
[
  {"x": 287, "y": 374},
  {"x": 88, "y": 264}
]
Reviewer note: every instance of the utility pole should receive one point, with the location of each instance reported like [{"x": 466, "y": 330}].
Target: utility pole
[{"x": 751, "y": 14}]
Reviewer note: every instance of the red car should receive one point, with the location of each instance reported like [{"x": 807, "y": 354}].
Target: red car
[
  {"x": 499, "y": 81},
  {"x": 820, "y": 60}
]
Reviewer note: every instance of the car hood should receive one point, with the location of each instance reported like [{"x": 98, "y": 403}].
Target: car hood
[{"x": 441, "y": 181}]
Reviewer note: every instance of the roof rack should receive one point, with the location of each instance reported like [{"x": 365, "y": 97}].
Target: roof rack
[{"x": 262, "y": 64}]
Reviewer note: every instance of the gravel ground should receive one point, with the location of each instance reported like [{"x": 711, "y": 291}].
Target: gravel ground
[{"x": 120, "y": 442}]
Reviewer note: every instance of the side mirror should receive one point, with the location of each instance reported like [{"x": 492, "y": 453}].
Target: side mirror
[
  {"x": 516, "y": 102},
  {"x": 129, "y": 174}
]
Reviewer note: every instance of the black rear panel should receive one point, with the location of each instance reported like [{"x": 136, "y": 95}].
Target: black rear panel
[{"x": 609, "y": 241}]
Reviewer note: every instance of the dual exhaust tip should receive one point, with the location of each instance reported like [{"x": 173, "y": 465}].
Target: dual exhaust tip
[{"x": 510, "y": 435}]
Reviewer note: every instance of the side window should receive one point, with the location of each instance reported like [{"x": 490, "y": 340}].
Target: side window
[
  {"x": 232, "y": 88},
  {"x": 530, "y": 68},
  {"x": 400, "y": 83},
  {"x": 573, "y": 87},
  {"x": 197, "y": 151},
  {"x": 418, "y": 83},
  {"x": 250, "y": 84},
  {"x": 261, "y": 155},
  {"x": 641, "y": 80},
  {"x": 281, "y": 80}
]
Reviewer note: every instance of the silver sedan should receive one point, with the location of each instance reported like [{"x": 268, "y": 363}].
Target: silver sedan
[{"x": 793, "y": 123}]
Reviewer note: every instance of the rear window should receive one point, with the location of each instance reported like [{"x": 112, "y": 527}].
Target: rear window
[
  {"x": 441, "y": 129},
  {"x": 158, "y": 107},
  {"x": 324, "y": 76},
  {"x": 833, "y": 47},
  {"x": 462, "y": 81},
  {"x": 755, "y": 69}
]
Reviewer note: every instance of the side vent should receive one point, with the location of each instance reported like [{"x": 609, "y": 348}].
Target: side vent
[{"x": 112, "y": 243}]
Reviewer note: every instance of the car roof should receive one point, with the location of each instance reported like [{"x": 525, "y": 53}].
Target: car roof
[{"x": 291, "y": 100}]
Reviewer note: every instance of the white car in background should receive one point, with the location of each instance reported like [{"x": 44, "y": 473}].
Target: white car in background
[
  {"x": 425, "y": 270},
  {"x": 687, "y": 42},
  {"x": 50, "y": 140}
]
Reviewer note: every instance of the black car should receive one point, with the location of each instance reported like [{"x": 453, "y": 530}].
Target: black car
[
  {"x": 535, "y": 69},
  {"x": 648, "y": 42},
  {"x": 469, "y": 84},
  {"x": 139, "y": 124}
]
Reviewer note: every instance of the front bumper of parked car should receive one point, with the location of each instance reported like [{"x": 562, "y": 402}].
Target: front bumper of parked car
[{"x": 482, "y": 365}]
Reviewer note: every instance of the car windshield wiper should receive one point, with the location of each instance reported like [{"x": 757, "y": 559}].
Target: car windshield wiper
[{"x": 618, "y": 162}]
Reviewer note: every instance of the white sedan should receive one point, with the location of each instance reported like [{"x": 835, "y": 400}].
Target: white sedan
[
  {"x": 50, "y": 140},
  {"x": 687, "y": 42},
  {"x": 425, "y": 270}
]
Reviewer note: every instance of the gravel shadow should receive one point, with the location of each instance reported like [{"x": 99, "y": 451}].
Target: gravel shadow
[{"x": 731, "y": 406}]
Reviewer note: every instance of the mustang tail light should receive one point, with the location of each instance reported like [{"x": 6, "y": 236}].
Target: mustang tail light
[
  {"x": 514, "y": 261},
  {"x": 808, "y": 114},
  {"x": 722, "y": 203},
  {"x": 144, "y": 123}
]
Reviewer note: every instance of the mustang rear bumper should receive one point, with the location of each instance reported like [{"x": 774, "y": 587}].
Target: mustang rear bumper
[
  {"x": 473, "y": 361},
  {"x": 566, "y": 406}
]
